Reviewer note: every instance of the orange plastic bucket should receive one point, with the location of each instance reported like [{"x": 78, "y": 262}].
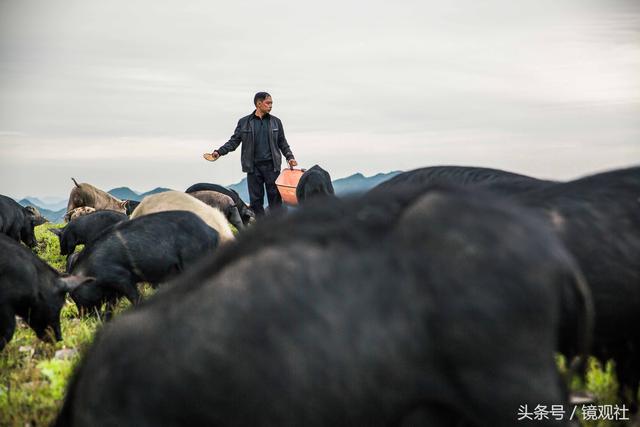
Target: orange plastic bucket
[{"x": 287, "y": 182}]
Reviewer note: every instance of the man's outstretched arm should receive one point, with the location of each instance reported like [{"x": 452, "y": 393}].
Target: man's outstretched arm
[{"x": 230, "y": 145}]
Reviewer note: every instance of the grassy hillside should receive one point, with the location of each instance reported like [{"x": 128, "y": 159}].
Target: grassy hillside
[{"x": 33, "y": 374}]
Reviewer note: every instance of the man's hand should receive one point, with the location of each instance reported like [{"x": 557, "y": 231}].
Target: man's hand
[
  {"x": 292, "y": 163},
  {"x": 211, "y": 157}
]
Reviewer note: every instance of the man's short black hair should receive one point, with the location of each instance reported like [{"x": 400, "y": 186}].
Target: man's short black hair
[{"x": 260, "y": 96}]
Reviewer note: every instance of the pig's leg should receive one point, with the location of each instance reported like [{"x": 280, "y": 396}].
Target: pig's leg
[
  {"x": 123, "y": 283},
  {"x": 234, "y": 218},
  {"x": 173, "y": 271},
  {"x": 130, "y": 291},
  {"x": 109, "y": 307},
  {"x": 7, "y": 326}
]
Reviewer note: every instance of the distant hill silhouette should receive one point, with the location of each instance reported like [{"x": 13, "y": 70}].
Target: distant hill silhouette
[
  {"x": 54, "y": 217},
  {"x": 123, "y": 193},
  {"x": 35, "y": 201},
  {"x": 154, "y": 191},
  {"x": 358, "y": 183}
]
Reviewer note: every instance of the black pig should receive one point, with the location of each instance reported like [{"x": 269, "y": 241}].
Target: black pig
[
  {"x": 495, "y": 180},
  {"x": 598, "y": 218},
  {"x": 151, "y": 248},
  {"x": 85, "y": 229},
  {"x": 364, "y": 312},
  {"x": 38, "y": 218},
  {"x": 16, "y": 221},
  {"x": 130, "y": 206},
  {"x": 31, "y": 289},
  {"x": 314, "y": 182}
]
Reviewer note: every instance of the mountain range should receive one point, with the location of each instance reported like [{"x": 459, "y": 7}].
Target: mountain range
[
  {"x": 54, "y": 210},
  {"x": 125, "y": 193}
]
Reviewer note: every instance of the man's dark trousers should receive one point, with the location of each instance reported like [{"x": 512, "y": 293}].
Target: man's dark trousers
[{"x": 263, "y": 176}]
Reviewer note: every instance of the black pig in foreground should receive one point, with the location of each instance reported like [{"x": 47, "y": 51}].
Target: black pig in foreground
[
  {"x": 151, "y": 249},
  {"x": 495, "y": 180},
  {"x": 16, "y": 221},
  {"x": 434, "y": 311},
  {"x": 31, "y": 289},
  {"x": 85, "y": 229},
  {"x": 598, "y": 218}
]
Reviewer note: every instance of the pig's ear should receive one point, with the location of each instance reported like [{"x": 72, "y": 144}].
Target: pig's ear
[
  {"x": 57, "y": 231},
  {"x": 67, "y": 282}
]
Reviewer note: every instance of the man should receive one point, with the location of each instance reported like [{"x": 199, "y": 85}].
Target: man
[{"x": 262, "y": 138}]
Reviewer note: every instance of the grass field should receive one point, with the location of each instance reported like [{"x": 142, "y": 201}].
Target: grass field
[{"x": 33, "y": 374}]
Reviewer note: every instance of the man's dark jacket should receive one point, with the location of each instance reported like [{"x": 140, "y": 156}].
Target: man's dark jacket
[{"x": 245, "y": 134}]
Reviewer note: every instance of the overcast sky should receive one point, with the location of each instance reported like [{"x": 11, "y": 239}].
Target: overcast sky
[{"x": 131, "y": 93}]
